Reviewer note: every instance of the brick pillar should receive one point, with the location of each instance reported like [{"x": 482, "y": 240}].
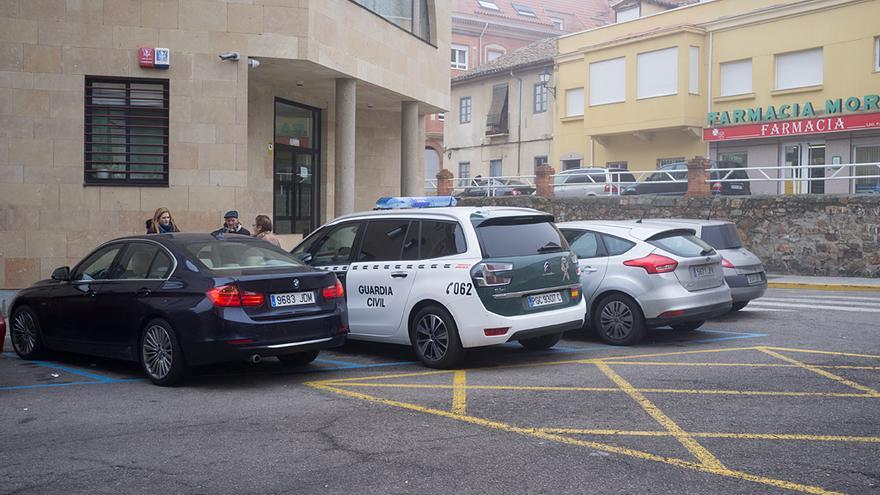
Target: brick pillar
[
  {"x": 544, "y": 181},
  {"x": 698, "y": 176},
  {"x": 444, "y": 182}
]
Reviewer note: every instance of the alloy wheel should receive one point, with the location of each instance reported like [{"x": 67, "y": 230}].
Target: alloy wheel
[
  {"x": 157, "y": 351},
  {"x": 24, "y": 333},
  {"x": 616, "y": 320},
  {"x": 432, "y": 337}
]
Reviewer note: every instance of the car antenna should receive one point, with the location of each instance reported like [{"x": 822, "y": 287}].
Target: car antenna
[{"x": 641, "y": 217}]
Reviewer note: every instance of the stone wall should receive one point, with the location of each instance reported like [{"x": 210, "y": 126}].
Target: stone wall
[{"x": 830, "y": 235}]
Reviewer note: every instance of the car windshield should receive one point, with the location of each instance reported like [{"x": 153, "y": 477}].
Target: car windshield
[
  {"x": 681, "y": 243},
  {"x": 520, "y": 237},
  {"x": 722, "y": 236},
  {"x": 230, "y": 254}
]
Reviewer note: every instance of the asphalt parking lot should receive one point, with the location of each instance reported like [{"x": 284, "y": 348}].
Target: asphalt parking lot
[{"x": 779, "y": 398}]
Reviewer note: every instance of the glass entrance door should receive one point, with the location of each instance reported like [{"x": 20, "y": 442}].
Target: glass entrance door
[
  {"x": 803, "y": 179},
  {"x": 296, "y": 171}
]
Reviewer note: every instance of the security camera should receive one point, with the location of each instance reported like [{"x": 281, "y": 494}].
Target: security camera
[
  {"x": 230, "y": 56},
  {"x": 253, "y": 63}
]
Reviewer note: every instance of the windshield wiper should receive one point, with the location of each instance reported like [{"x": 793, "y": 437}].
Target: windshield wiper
[{"x": 549, "y": 247}]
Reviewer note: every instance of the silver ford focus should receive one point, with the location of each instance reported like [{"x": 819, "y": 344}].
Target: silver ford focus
[{"x": 638, "y": 276}]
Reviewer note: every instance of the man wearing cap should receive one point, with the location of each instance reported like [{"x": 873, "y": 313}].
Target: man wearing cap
[{"x": 232, "y": 225}]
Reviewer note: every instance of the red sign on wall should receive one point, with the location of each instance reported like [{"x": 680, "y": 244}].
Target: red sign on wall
[
  {"x": 146, "y": 56},
  {"x": 820, "y": 125}
]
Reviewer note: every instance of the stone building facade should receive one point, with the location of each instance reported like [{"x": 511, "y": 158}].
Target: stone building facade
[{"x": 315, "y": 109}]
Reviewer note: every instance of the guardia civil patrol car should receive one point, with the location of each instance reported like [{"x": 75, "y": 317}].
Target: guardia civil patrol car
[{"x": 444, "y": 279}]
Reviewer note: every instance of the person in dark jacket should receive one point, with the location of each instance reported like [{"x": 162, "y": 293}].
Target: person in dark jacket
[
  {"x": 231, "y": 225},
  {"x": 161, "y": 223}
]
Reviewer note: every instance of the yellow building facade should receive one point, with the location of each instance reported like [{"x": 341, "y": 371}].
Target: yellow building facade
[{"x": 771, "y": 87}]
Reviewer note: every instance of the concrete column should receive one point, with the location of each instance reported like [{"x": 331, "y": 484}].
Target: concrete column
[
  {"x": 345, "y": 156},
  {"x": 410, "y": 149}
]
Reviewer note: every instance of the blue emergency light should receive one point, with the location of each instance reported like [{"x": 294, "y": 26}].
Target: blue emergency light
[{"x": 393, "y": 202}]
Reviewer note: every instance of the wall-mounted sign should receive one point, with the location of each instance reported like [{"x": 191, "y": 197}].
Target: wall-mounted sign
[
  {"x": 833, "y": 106},
  {"x": 821, "y": 125},
  {"x": 151, "y": 57}
]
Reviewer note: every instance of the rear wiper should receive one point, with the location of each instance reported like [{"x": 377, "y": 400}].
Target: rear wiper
[
  {"x": 707, "y": 252},
  {"x": 549, "y": 247}
]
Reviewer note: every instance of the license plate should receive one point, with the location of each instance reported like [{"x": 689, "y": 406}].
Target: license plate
[
  {"x": 545, "y": 299},
  {"x": 703, "y": 271},
  {"x": 291, "y": 299},
  {"x": 736, "y": 186},
  {"x": 754, "y": 278}
]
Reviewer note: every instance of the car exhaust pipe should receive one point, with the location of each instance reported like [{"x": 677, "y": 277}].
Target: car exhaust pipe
[{"x": 255, "y": 359}]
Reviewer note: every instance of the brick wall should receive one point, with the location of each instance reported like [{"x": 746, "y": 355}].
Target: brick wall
[{"x": 831, "y": 235}]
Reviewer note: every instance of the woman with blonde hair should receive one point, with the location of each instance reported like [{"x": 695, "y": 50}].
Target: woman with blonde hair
[
  {"x": 161, "y": 223},
  {"x": 263, "y": 230}
]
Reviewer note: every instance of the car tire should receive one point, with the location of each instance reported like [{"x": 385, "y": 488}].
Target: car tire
[
  {"x": 299, "y": 359},
  {"x": 541, "y": 343},
  {"x": 738, "y": 306},
  {"x": 619, "y": 320},
  {"x": 434, "y": 337},
  {"x": 688, "y": 326},
  {"x": 160, "y": 354},
  {"x": 25, "y": 333}
]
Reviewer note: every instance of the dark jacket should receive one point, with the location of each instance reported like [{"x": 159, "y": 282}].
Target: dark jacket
[
  {"x": 149, "y": 225},
  {"x": 224, "y": 230}
]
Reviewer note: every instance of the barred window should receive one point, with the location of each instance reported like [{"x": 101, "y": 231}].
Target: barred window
[{"x": 126, "y": 131}]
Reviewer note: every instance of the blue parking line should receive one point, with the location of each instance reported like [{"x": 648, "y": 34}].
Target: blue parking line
[
  {"x": 344, "y": 364},
  {"x": 50, "y": 385},
  {"x": 73, "y": 371},
  {"x": 735, "y": 336}
]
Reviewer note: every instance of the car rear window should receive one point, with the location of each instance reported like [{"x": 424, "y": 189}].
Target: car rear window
[
  {"x": 622, "y": 176},
  {"x": 722, "y": 236},
  {"x": 229, "y": 254},
  {"x": 519, "y": 236},
  {"x": 681, "y": 243}
]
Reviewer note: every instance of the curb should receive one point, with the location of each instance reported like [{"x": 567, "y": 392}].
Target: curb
[{"x": 819, "y": 286}]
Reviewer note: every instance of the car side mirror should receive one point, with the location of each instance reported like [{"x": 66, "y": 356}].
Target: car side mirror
[
  {"x": 305, "y": 257},
  {"x": 62, "y": 273}
]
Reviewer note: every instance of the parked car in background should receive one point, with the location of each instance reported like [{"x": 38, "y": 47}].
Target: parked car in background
[
  {"x": 638, "y": 276},
  {"x": 727, "y": 182},
  {"x": 443, "y": 280},
  {"x": 580, "y": 182},
  {"x": 172, "y": 301},
  {"x": 743, "y": 271},
  {"x": 496, "y": 187}
]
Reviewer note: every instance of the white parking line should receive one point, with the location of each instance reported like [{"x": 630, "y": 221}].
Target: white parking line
[
  {"x": 752, "y": 309},
  {"x": 815, "y": 301},
  {"x": 822, "y": 298},
  {"x": 768, "y": 304}
]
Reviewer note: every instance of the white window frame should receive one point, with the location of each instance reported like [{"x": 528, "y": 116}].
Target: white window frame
[
  {"x": 457, "y": 64},
  {"x": 574, "y": 102},
  {"x": 877, "y": 54},
  {"x": 815, "y": 78},
  {"x": 594, "y": 82},
  {"x": 694, "y": 71},
  {"x": 441, "y": 116},
  {"x": 649, "y": 73},
  {"x": 726, "y": 89},
  {"x": 523, "y": 10},
  {"x": 558, "y": 23},
  {"x": 488, "y": 4},
  {"x": 637, "y": 9},
  {"x": 465, "y": 105}
]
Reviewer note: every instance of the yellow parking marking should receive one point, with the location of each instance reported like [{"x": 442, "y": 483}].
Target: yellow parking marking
[
  {"x": 705, "y": 457},
  {"x": 459, "y": 393},
  {"x": 744, "y": 365},
  {"x": 533, "y": 432},
  {"x": 827, "y": 353},
  {"x": 826, "y": 374},
  {"x": 534, "y": 388},
  {"x": 738, "y": 436}
]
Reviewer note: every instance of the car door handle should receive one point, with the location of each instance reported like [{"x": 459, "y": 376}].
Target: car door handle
[
  {"x": 589, "y": 269},
  {"x": 399, "y": 274},
  {"x": 144, "y": 292}
]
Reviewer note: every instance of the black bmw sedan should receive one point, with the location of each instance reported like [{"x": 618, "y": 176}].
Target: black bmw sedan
[{"x": 172, "y": 301}]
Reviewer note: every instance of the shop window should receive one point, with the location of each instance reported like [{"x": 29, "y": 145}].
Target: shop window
[
  {"x": 126, "y": 131},
  {"x": 619, "y": 165},
  {"x": 736, "y": 77},
  {"x": 464, "y": 109},
  {"x": 629, "y": 14},
  {"x": 668, "y": 161},
  {"x": 658, "y": 73},
  {"x": 741, "y": 158},
  {"x": 574, "y": 102},
  {"x": 497, "y": 119},
  {"x": 459, "y": 57},
  {"x": 867, "y": 154},
  {"x": 799, "y": 69},
  {"x": 608, "y": 81}
]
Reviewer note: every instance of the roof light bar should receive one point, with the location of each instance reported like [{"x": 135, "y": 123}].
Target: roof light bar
[{"x": 393, "y": 202}]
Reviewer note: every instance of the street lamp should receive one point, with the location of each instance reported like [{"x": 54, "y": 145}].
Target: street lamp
[{"x": 544, "y": 79}]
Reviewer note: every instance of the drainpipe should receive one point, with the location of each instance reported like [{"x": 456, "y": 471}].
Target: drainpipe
[
  {"x": 518, "y": 126},
  {"x": 709, "y": 91},
  {"x": 480, "y": 55}
]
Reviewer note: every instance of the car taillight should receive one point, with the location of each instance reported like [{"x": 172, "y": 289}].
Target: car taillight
[
  {"x": 716, "y": 187},
  {"x": 229, "y": 296},
  {"x": 333, "y": 291},
  {"x": 610, "y": 188},
  {"x": 515, "y": 192},
  {"x": 487, "y": 274},
  {"x": 726, "y": 264},
  {"x": 654, "y": 263}
]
